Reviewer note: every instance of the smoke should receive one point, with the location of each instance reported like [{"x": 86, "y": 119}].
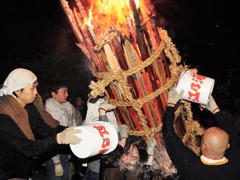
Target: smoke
[{"x": 163, "y": 163}]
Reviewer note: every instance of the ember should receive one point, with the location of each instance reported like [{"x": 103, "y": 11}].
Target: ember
[{"x": 133, "y": 59}]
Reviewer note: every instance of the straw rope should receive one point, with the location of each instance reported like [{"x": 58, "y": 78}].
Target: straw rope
[{"x": 192, "y": 127}]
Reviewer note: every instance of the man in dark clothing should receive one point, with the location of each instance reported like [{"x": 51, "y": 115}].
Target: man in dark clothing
[
  {"x": 218, "y": 159},
  {"x": 23, "y": 121},
  {"x": 81, "y": 106},
  {"x": 122, "y": 163},
  {"x": 131, "y": 160}
]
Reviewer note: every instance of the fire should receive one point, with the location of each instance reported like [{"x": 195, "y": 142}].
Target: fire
[
  {"x": 134, "y": 73},
  {"x": 104, "y": 15}
]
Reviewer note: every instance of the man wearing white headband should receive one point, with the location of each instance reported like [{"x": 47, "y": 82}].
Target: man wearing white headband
[{"x": 22, "y": 117}]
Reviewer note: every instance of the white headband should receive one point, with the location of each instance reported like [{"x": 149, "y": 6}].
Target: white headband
[{"x": 16, "y": 80}]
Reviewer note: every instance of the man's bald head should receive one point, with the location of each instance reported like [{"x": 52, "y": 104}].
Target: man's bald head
[{"x": 214, "y": 143}]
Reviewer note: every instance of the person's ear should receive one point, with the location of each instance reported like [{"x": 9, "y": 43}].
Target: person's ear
[
  {"x": 53, "y": 94},
  {"x": 228, "y": 145},
  {"x": 203, "y": 147}
]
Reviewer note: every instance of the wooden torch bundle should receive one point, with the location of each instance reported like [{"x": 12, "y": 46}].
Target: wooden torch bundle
[{"x": 133, "y": 60}]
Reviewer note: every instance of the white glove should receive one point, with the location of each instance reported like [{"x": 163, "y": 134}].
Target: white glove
[
  {"x": 123, "y": 130},
  {"x": 151, "y": 146},
  {"x": 173, "y": 96},
  {"x": 67, "y": 136},
  {"x": 106, "y": 106},
  {"x": 211, "y": 106},
  {"x": 58, "y": 169}
]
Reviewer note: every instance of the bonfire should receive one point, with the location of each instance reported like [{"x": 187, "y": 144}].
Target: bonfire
[{"x": 134, "y": 61}]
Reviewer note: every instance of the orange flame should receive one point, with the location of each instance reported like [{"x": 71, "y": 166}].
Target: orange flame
[{"x": 104, "y": 15}]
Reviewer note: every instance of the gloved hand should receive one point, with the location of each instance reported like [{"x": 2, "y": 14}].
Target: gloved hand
[
  {"x": 106, "y": 106},
  {"x": 67, "y": 136},
  {"x": 151, "y": 146},
  {"x": 173, "y": 96},
  {"x": 211, "y": 106},
  {"x": 123, "y": 130},
  {"x": 58, "y": 169}
]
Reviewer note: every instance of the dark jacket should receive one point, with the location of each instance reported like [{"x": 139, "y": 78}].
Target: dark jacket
[
  {"x": 189, "y": 164},
  {"x": 17, "y": 150}
]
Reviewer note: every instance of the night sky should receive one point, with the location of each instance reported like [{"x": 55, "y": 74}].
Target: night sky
[
  {"x": 205, "y": 33},
  {"x": 28, "y": 27}
]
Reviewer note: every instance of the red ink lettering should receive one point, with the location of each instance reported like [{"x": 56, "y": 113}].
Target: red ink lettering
[
  {"x": 195, "y": 87},
  {"x": 106, "y": 141},
  {"x": 101, "y": 130},
  {"x": 198, "y": 78},
  {"x": 102, "y": 151},
  {"x": 193, "y": 97}
]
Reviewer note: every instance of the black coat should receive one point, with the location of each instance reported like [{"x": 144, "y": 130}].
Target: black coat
[
  {"x": 17, "y": 151},
  {"x": 189, "y": 165}
]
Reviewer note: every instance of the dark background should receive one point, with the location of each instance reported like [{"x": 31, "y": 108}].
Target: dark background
[{"x": 34, "y": 32}]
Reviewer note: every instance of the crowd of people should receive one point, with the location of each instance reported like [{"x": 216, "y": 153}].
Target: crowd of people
[{"x": 32, "y": 129}]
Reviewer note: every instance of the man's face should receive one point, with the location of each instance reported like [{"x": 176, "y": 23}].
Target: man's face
[
  {"x": 61, "y": 95},
  {"x": 130, "y": 158},
  {"x": 79, "y": 102},
  {"x": 28, "y": 94}
]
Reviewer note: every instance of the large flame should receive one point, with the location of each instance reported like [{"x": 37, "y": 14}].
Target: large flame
[{"x": 104, "y": 15}]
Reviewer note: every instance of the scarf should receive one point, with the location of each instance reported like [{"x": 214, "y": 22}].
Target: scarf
[{"x": 10, "y": 106}]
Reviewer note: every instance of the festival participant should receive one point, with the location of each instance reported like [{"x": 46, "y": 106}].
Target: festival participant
[
  {"x": 130, "y": 159},
  {"x": 134, "y": 157},
  {"x": 218, "y": 159},
  {"x": 80, "y": 105},
  {"x": 98, "y": 109},
  {"x": 26, "y": 129},
  {"x": 61, "y": 166}
]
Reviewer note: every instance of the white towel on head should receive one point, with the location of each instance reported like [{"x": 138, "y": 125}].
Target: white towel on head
[{"x": 18, "y": 79}]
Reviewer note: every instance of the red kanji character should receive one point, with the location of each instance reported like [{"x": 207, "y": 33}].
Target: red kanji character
[
  {"x": 195, "y": 87},
  {"x": 102, "y": 151},
  {"x": 193, "y": 97},
  {"x": 102, "y": 130},
  {"x": 198, "y": 78}
]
